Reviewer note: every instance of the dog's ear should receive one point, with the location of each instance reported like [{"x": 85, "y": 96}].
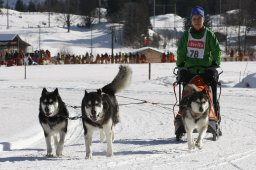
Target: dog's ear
[
  {"x": 44, "y": 91},
  {"x": 204, "y": 91},
  {"x": 56, "y": 91},
  {"x": 85, "y": 92},
  {"x": 99, "y": 91}
]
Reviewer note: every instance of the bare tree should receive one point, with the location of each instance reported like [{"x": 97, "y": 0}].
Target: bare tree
[
  {"x": 66, "y": 20},
  {"x": 66, "y": 17}
]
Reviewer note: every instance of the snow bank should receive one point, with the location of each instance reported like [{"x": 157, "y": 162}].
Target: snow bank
[{"x": 248, "y": 82}]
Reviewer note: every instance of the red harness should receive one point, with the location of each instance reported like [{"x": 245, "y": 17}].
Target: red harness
[{"x": 198, "y": 81}]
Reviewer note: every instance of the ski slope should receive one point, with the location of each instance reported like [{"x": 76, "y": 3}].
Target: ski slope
[{"x": 144, "y": 139}]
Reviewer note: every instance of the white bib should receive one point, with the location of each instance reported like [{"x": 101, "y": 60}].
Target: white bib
[{"x": 195, "y": 47}]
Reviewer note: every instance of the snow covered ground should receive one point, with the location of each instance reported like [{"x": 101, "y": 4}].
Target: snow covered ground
[{"x": 144, "y": 139}]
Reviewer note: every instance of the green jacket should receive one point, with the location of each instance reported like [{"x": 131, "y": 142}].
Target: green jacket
[{"x": 212, "y": 53}]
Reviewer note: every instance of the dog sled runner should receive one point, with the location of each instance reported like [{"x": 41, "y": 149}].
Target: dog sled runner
[{"x": 214, "y": 115}]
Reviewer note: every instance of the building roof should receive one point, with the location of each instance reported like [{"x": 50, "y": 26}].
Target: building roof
[
  {"x": 147, "y": 48},
  {"x": 7, "y": 37}
]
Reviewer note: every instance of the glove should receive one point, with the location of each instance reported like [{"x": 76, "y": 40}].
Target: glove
[
  {"x": 181, "y": 65},
  {"x": 214, "y": 64}
]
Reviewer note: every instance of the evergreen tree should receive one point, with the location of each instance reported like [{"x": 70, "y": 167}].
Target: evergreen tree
[
  {"x": 20, "y": 6},
  {"x": 187, "y": 23},
  {"x": 1, "y": 3},
  {"x": 249, "y": 14},
  {"x": 53, "y": 5},
  {"x": 114, "y": 6},
  {"x": 73, "y": 6},
  {"x": 31, "y": 6},
  {"x": 212, "y": 7},
  {"x": 86, "y": 8},
  {"x": 182, "y": 7},
  {"x": 114, "y": 9},
  {"x": 136, "y": 22}
]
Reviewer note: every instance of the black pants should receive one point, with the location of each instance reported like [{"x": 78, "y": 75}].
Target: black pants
[{"x": 210, "y": 77}]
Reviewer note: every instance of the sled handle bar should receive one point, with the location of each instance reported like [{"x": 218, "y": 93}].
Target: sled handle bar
[{"x": 176, "y": 69}]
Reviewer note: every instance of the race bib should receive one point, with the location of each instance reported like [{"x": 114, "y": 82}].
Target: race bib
[{"x": 195, "y": 47}]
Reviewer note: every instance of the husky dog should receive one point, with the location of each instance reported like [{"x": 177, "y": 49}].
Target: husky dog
[
  {"x": 100, "y": 110},
  {"x": 53, "y": 116},
  {"x": 195, "y": 108}
]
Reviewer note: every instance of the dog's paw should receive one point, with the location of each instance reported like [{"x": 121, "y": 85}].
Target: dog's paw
[
  {"x": 109, "y": 154},
  {"x": 191, "y": 146},
  {"x": 199, "y": 145},
  {"x": 49, "y": 155},
  {"x": 88, "y": 156},
  {"x": 59, "y": 154}
]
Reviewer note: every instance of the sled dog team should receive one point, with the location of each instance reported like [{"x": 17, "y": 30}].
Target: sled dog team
[{"x": 100, "y": 111}]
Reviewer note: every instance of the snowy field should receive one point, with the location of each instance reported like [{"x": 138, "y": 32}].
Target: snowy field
[{"x": 144, "y": 139}]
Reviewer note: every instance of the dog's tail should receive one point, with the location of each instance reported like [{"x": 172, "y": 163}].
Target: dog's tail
[{"x": 121, "y": 81}]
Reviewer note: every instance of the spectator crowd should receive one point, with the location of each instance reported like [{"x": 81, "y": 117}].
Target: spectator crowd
[{"x": 44, "y": 57}]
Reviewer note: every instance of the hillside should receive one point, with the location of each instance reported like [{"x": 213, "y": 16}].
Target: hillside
[
  {"x": 33, "y": 28},
  {"x": 78, "y": 41}
]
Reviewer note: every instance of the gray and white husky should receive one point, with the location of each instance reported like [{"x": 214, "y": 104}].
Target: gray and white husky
[
  {"x": 53, "y": 116},
  {"x": 100, "y": 110},
  {"x": 195, "y": 108}
]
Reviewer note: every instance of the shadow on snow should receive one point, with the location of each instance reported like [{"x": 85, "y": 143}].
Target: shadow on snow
[{"x": 148, "y": 142}]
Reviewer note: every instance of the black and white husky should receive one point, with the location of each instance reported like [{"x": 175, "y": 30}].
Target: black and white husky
[
  {"x": 195, "y": 108},
  {"x": 53, "y": 116},
  {"x": 100, "y": 110}
]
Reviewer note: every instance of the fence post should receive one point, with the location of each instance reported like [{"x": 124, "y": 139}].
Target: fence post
[
  {"x": 25, "y": 70},
  {"x": 149, "y": 71}
]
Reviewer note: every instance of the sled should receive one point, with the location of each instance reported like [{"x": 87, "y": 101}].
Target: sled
[{"x": 214, "y": 116}]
